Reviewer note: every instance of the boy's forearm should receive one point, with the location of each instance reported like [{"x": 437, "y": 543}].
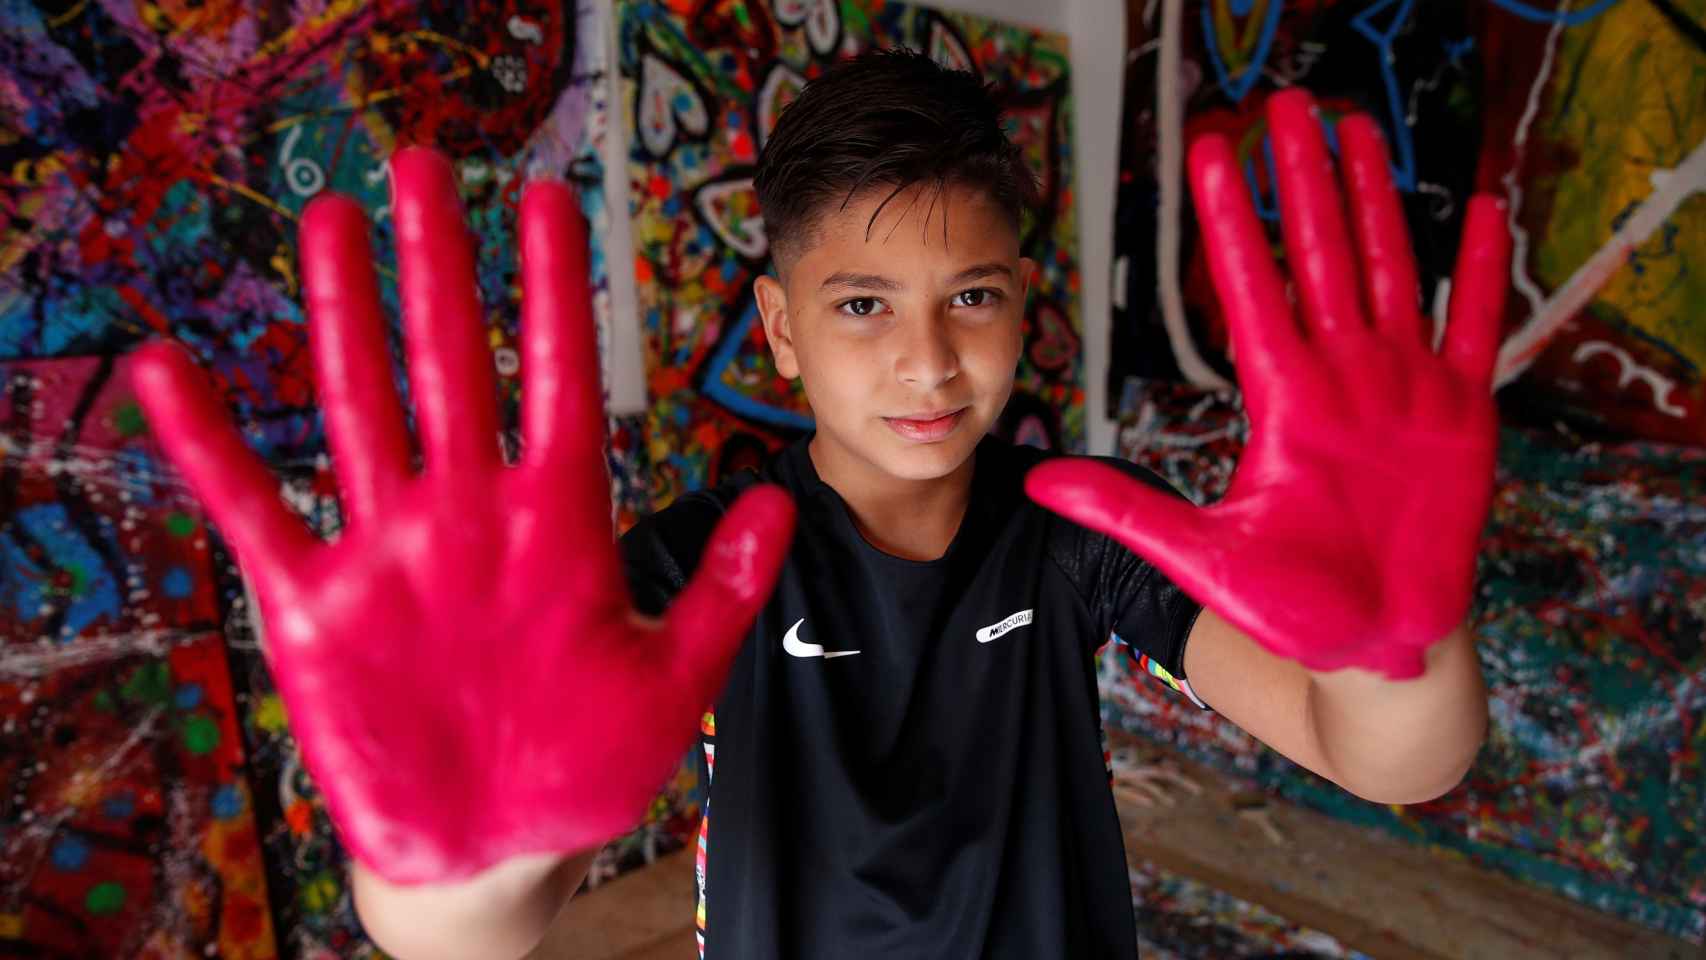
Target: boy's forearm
[
  {"x": 1403, "y": 741},
  {"x": 500, "y": 914}
]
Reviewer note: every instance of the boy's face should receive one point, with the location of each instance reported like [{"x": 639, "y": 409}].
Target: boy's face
[{"x": 906, "y": 342}]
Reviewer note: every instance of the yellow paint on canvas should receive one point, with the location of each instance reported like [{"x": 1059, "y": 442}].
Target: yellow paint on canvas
[{"x": 1628, "y": 98}]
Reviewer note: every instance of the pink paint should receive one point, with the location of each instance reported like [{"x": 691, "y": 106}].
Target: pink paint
[
  {"x": 1349, "y": 532},
  {"x": 462, "y": 666}
]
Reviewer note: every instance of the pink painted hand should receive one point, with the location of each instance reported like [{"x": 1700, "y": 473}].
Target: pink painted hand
[
  {"x": 1349, "y": 533},
  {"x": 462, "y": 666}
]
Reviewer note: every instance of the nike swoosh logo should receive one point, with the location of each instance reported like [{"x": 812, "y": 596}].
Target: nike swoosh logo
[
  {"x": 799, "y": 648},
  {"x": 1011, "y": 623}
]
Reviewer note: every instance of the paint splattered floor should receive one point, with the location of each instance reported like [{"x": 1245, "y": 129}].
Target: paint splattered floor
[{"x": 1183, "y": 919}]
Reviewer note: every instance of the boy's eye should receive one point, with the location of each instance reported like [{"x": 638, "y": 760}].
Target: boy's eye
[
  {"x": 861, "y": 306},
  {"x": 979, "y": 297}
]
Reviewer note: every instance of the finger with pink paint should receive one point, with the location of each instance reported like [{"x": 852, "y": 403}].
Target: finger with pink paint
[
  {"x": 462, "y": 667},
  {"x": 1349, "y": 532}
]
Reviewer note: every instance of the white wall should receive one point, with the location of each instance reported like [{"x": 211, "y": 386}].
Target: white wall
[{"x": 1097, "y": 30}]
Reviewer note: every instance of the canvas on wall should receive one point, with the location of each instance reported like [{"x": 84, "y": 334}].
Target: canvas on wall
[
  {"x": 1588, "y": 119},
  {"x": 153, "y": 163}
]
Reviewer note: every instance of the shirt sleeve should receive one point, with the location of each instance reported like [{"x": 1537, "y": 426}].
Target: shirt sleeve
[
  {"x": 659, "y": 554},
  {"x": 1145, "y": 610},
  {"x": 661, "y": 551}
]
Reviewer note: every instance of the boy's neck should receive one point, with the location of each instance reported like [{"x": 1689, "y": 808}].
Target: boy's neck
[{"x": 910, "y": 519}]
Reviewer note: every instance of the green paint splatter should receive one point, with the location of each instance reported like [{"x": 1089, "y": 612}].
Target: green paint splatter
[
  {"x": 853, "y": 15},
  {"x": 150, "y": 684},
  {"x": 104, "y": 898},
  {"x": 200, "y": 734},
  {"x": 79, "y": 580},
  {"x": 128, "y": 420}
]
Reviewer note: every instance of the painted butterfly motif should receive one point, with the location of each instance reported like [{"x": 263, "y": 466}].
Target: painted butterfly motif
[
  {"x": 822, "y": 19},
  {"x": 669, "y": 105}
]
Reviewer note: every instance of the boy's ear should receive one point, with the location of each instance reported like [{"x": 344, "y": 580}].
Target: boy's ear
[
  {"x": 1027, "y": 276},
  {"x": 773, "y": 311}
]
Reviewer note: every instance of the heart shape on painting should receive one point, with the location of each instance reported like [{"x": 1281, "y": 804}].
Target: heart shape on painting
[
  {"x": 669, "y": 105},
  {"x": 781, "y": 85},
  {"x": 730, "y": 208},
  {"x": 822, "y": 19},
  {"x": 1053, "y": 343}
]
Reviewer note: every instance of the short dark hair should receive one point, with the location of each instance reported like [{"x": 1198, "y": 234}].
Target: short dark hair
[{"x": 887, "y": 118}]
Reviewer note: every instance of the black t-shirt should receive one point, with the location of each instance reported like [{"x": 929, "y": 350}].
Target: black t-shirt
[{"x": 906, "y": 760}]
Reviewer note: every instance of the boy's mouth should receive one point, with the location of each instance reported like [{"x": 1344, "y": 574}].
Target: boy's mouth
[{"x": 926, "y": 427}]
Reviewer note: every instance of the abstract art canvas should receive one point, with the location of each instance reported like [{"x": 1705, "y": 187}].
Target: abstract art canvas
[
  {"x": 1588, "y": 119},
  {"x": 153, "y": 162}
]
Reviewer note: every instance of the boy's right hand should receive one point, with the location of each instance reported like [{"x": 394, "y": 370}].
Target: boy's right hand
[{"x": 462, "y": 666}]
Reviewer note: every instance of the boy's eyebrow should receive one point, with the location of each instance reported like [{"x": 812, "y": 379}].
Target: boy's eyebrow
[
  {"x": 872, "y": 281},
  {"x": 980, "y": 271},
  {"x": 863, "y": 281}
]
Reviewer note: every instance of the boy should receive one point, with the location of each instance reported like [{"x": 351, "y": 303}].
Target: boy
[{"x": 903, "y": 757}]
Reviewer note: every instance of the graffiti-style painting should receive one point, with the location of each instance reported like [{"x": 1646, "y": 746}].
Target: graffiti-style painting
[
  {"x": 1415, "y": 76},
  {"x": 126, "y": 826},
  {"x": 153, "y": 163},
  {"x": 1590, "y": 608},
  {"x": 704, "y": 81},
  {"x": 1594, "y": 128},
  {"x": 1588, "y": 119}
]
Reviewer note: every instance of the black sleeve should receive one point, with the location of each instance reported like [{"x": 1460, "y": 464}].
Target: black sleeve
[
  {"x": 1141, "y": 606},
  {"x": 661, "y": 551},
  {"x": 659, "y": 555}
]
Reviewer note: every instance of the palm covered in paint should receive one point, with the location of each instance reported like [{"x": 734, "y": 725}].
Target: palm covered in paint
[
  {"x": 1348, "y": 534},
  {"x": 462, "y": 666}
]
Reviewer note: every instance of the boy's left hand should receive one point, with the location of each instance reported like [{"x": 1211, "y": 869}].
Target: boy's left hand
[{"x": 1349, "y": 532}]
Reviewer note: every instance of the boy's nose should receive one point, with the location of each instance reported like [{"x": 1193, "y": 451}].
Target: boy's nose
[{"x": 927, "y": 358}]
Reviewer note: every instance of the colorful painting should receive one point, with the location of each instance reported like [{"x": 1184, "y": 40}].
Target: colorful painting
[
  {"x": 1590, "y": 120},
  {"x": 126, "y": 822},
  {"x": 703, "y": 82},
  {"x": 1591, "y": 609},
  {"x": 1415, "y": 74},
  {"x": 153, "y": 162},
  {"x": 1595, "y": 129}
]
